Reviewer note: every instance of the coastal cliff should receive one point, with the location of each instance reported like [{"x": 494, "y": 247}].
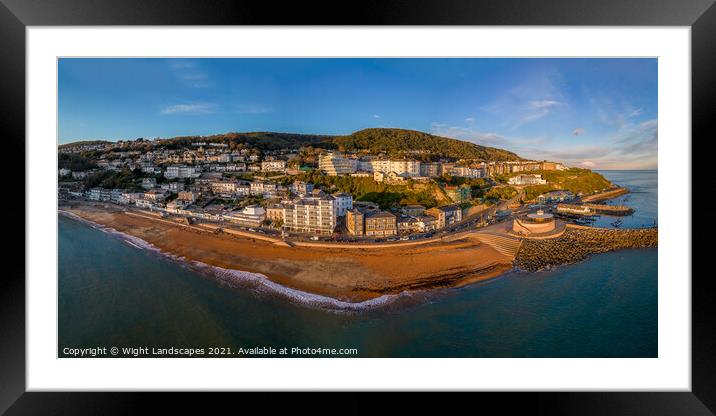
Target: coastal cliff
[{"x": 578, "y": 243}]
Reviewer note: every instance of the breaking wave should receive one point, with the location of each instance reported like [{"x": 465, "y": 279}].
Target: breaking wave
[{"x": 259, "y": 282}]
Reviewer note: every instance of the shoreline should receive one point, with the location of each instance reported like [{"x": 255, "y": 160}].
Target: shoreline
[
  {"x": 345, "y": 278},
  {"x": 350, "y": 279},
  {"x": 240, "y": 279}
]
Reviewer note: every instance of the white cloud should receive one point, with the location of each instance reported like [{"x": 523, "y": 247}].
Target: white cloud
[
  {"x": 578, "y": 131},
  {"x": 468, "y": 134},
  {"x": 536, "y": 109},
  {"x": 543, "y": 104},
  {"x": 632, "y": 146},
  {"x": 537, "y": 95},
  {"x": 376, "y": 116},
  {"x": 470, "y": 119},
  {"x": 190, "y": 73},
  {"x": 198, "y": 108},
  {"x": 253, "y": 109}
]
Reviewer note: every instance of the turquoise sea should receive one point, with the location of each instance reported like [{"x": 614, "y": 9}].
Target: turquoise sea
[{"x": 112, "y": 292}]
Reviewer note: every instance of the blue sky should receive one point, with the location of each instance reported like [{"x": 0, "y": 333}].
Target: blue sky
[{"x": 595, "y": 113}]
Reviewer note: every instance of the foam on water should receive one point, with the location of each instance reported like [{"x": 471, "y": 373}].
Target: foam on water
[{"x": 257, "y": 281}]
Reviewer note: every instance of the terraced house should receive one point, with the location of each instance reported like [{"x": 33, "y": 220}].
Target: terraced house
[
  {"x": 380, "y": 224},
  {"x": 446, "y": 215}
]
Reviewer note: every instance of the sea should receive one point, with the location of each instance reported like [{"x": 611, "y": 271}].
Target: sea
[{"x": 116, "y": 292}]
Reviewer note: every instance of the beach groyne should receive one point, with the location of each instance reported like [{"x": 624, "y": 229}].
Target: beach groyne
[{"x": 578, "y": 243}]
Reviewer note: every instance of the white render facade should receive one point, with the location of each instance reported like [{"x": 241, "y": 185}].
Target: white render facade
[
  {"x": 334, "y": 164},
  {"x": 527, "y": 180},
  {"x": 315, "y": 215},
  {"x": 343, "y": 203},
  {"x": 181, "y": 172},
  {"x": 273, "y": 166}
]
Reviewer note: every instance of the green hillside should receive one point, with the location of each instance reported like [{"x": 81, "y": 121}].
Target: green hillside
[
  {"x": 398, "y": 142},
  {"x": 82, "y": 143},
  {"x": 261, "y": 140},
  {"x": 393, "y": 142}
]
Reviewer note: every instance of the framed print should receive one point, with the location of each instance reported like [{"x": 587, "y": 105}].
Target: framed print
[{"x": 460, "y": 198}]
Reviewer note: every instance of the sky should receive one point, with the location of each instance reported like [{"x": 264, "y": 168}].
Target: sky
[{"x": 593, "y": 113}]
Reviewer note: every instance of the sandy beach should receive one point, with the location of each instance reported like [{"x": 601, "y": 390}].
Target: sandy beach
[{"x": 349, "y": 275}]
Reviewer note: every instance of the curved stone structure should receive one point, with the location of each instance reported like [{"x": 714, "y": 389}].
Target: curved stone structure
[{"x": 535, "y": 223}]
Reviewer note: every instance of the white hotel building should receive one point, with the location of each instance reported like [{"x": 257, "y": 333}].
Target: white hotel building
[
  {"x": 182, "y": 171},
  {"x": 315, "y": 215},
  {"x": 334, "y": 164}
]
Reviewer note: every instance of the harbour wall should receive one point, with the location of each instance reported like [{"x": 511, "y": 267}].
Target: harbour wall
[{"x": 605, "y": 195}]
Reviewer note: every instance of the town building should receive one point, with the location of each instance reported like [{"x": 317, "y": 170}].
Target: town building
[
  {"x": 149, "y": 183},
  {"x": 390, "y": 177},
  {"x": 99, "y": 194},
  {"x": 445, "y": 215},
  {"x": 467, "y": 172},
  {"x": 225, "y": 188},
  {"x": 534, "y": 179},
  {"x": 273, "y": 166},
  {"x": 406, "y": 224},
  {"x": 371, "y": 222},
  {"x": 182, "y": 172},
  {"x": 128, "y": 198},
  {"x": 187, "y": 196},
  {"x": 256, "y": 188},
  {"x": 413, "y": 210},
  {"x": 430, "y": 169},
  {"x": 355, "y": 221},
  {"x": 426, "y": 223},
  {"x": 405, "y": 167},
  {"x": 252, "y": 216},
  {"x": 343, "y": 203},
  {"x": 315, "y": 215},
  {"x": 334, "y": 164},
  {"x": 176, "y": 206},
  {"x": 173, "y": 186},
  {"x": 380, "y": 224},
  {"x": 155, "y": 195},
  {"x": 301, "y": 188},
  {"x": 458, "y": 194},
  {"x": 362, "y": 174},
  {"x": 274, "y": 212}
]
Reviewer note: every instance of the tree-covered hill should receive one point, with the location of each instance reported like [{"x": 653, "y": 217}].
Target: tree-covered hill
[
  {"x": 396, "y": 142},
  {"x": 261, "y": 140},
  {"x": 82, "y": 143},
  {"x": 393, "y": 142}
]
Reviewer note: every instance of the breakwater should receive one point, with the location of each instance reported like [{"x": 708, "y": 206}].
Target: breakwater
[
  {"x": 612, "y": 193},
  {"x": 591, "y": 209},
  {"x": 578, "y": 243}
]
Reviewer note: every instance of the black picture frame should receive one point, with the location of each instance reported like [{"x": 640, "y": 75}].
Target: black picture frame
[{"x": 15, "y": 15}]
